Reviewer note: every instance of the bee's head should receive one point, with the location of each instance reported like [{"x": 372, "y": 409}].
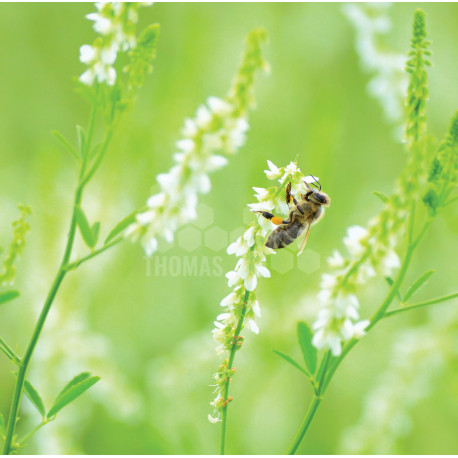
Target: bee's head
[{"x": 317, "y": 197}]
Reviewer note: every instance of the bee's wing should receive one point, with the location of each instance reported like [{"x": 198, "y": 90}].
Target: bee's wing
[{"x": 304, "y": 240}]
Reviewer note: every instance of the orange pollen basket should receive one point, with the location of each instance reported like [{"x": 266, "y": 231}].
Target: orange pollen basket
[{"x": 277, "y": 220}]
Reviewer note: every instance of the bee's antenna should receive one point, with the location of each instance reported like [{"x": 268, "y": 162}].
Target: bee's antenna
[{"x": 314, "y": 183}]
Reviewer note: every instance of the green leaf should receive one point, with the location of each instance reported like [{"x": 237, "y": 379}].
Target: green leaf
[
  {"x": 123, "y": 224},
  {"x": 34, "y": 397},
  {"x": 304, "y": 336},
  {"x": 383, "y": 197},
  {"x": 421, "y": 281},
  {"x": 292, "y": 361},
  {"x": 95, "y": 232},
  {"x": 95, "y": 150},
  {"x": 67, "y": 145},
  {"x": 8, "y": 296},
  {"x": 76, "y": 387},
  {"x": 2, "y": 426},
  {"x": 81, "y": 136},
  {"x": 85, "y": 228},
  {"x": 390, "y": 281}
]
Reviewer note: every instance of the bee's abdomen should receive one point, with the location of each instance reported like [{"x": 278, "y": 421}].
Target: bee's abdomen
[{"x": 284, "y": 235}]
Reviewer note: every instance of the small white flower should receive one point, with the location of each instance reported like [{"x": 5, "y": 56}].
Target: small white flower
[
  {"x": 355, "y": 234},
  {"x": 213, "y": 419},
  {"x": 248, "y": 236},
  {"x": 262, "y": 271},
  {"x": 311, "y": 179},
  {"x": 216, "y": 162},
  {"x": 229, "y": 300},
  {"x": 239, "y": 248},
  {"x": 290, "y": 169},
  {"x": 186, "y": 145},
  {"x": 336, "y": 260},
  {"x": 252, "y": 326},
  {"x": 108, "y": 55},
  {"x": 157, "y": 200},
  {"x": 359, "y": 328},
  {"x": 328, "y": 339},
  {"x": 250, "y": 282},
  {"x": 87, "y": 54},
  {"x": 190, "y": 129},
  {"x": 219, "y": 107},
  {"x": 256, "y": 309},
  {"x": 274, "y": 172},
  {"x": 150, "y": 246},
  {"x": 233, "y": 278},
  {"x": 87, "y": 77},
  {"x": 203, "y": 118}
]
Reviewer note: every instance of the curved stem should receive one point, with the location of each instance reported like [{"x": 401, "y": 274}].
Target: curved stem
[
  {"x": 229, "y": 367},
  {"x": 377, "y": 316},
  {"x": 311, "y": 410},
  {"x": 437, "y": 300},
  {"x": 37, "y": 331},
  {"x": 25, "y": 361},
  {"x": 78, "y": 262}
]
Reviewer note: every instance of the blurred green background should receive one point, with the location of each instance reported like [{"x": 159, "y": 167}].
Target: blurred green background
[{"x": 149, "y": 336}]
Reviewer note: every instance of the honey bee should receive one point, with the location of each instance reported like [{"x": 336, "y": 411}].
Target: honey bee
[{"x": 304, "y": 213}]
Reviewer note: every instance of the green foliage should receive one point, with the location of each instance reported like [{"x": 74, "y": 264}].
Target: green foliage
[
  {"x": 66, "y": 144},
  {"x": 2, "y": 426},
  {"x": 242, "y": 91},
  {"x": 90, "y": 234},
  {"x": 8, "y": 296},
  {"x": 417, "y": 284},
  {"x": 75, "y": 388},
  {"x": 34, "y": 397},
  {"x": 292, "y": 362},
  {"x": 443, "y": 171},
  {"x": 123, "y": 224},
  {"x": 417, "y": 93},
  {"x": 21, "y": 227},
  {"x": 390, "y": 281},
  {"x": 304, "y": 336},
  {"x": 383, "y": 197},
  {"x": 142, "y": 56}
]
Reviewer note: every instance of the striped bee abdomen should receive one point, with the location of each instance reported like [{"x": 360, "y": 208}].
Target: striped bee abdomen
[{"x": 284, "y": 235}]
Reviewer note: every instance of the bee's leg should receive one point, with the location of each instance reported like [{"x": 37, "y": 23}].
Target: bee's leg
[
  {"x": 290, "y": 198},
  {"x": 275, "y": 219}
]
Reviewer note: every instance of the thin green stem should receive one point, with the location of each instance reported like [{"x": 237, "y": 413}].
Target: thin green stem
[
  {"x": 22, "y": 442},
  {"x": 229, "y": 367},
  {"x": 24, "y": 364},
  {"x": 316, "y": 400},
  {"x": 73, "y": 265},
  {"x": 381, "y": 311},
  {"x": 377, "y": 316},
  {"x": 438, "y": 300},
  {"x": 98, "y": 159},
  {"x": 11, "y": 355}
]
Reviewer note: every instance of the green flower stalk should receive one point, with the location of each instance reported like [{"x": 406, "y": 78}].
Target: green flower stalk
[
  {"x": 219, "y": 127},
  {"x": 241, "y": 306},
  {"x": 115, "y": 24},
  {"x": 388, "y": 80},
  {"x": 21, "y": 227},
  {"x": 443, "y": 172},
  {"x": 374, "y": 250},
  {"x": 417, "y": 92}
]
